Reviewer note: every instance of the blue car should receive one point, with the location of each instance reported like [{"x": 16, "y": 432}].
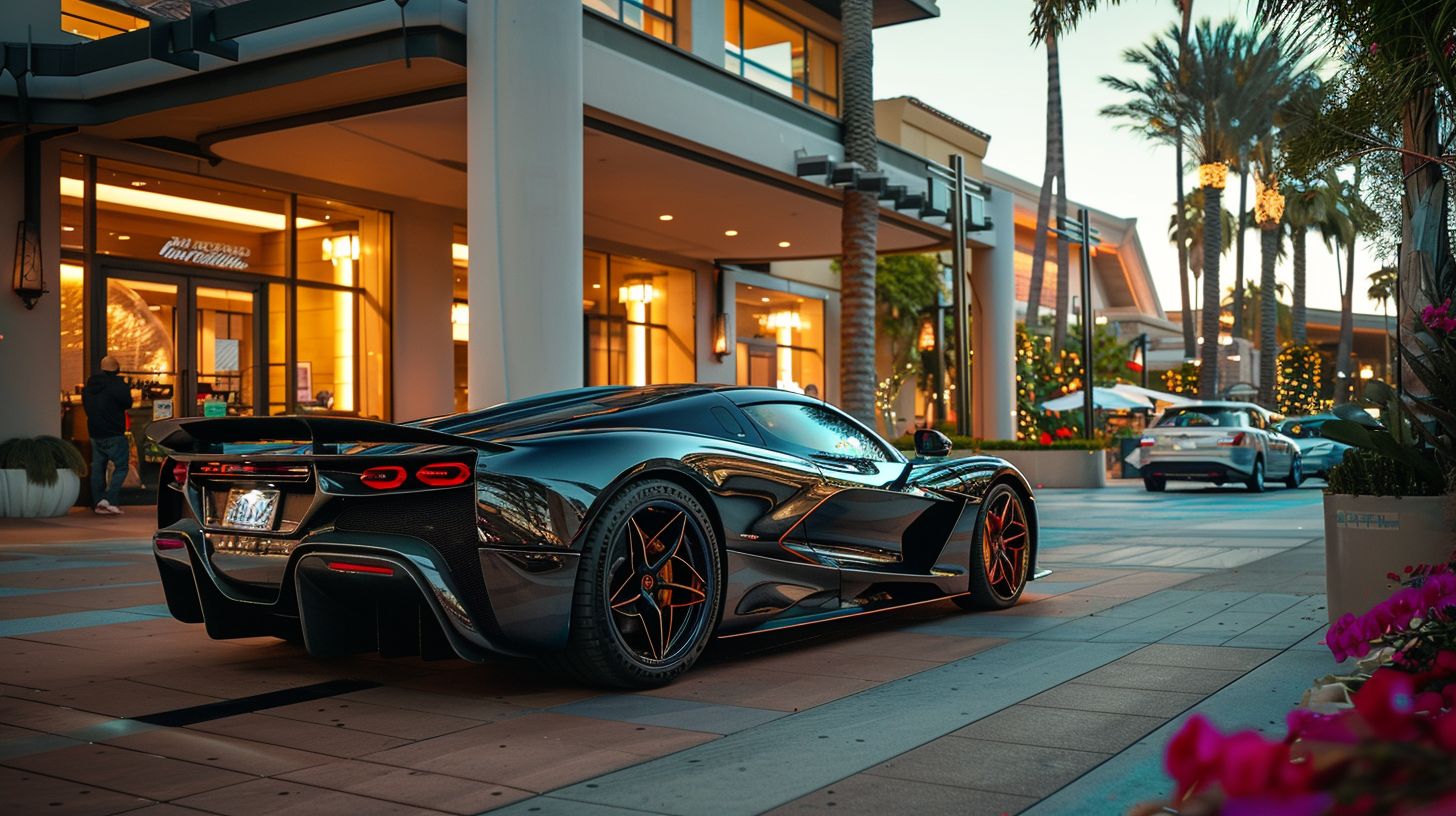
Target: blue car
[{"x": 1319, "y": 454}]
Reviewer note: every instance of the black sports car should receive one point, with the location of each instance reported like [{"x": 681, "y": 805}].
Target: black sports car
[{"x": 613, "y": 530}]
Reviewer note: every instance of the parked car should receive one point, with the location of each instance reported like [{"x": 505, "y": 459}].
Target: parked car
[
  {"x": 1319, "y": 454},
  {"x": 1219, "y": 442},
  {"x": 613, "y": 531}
]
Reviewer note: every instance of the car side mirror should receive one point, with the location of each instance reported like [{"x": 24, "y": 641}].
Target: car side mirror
[{"x": 931, "y": 444}]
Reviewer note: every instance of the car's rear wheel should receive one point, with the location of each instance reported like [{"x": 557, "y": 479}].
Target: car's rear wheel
[
  {"x": 1255, "y": 483},
  {"x": 1001, "y": 554},
  {"x": 648, "y": 592},
  {"x": 1296, "y": 473},
  {"x": 1155, "y": 484}
]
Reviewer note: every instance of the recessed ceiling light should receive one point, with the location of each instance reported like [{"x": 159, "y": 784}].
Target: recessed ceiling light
[
  {"x": 784, "y": 244},
  {"x": 765, "y": 300},
  {"x": 664, "y": 217},
  {"x": 123, "y": 237},
  {"x": 138, "y": 183},
  {"x": 67, "y": 228},
  {"x": 730, "y": 233},
  {"x": 596, "y": 286}
]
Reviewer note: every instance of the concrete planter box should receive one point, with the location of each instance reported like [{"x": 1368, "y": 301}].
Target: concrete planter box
[
  {"x": 1369, "y": 536},
  {"x": 1053, "y": 467},
  {"x": 19, "y": 498}
]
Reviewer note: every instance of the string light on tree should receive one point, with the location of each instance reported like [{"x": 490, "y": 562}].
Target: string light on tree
[{"x": 1297, "y": 382}]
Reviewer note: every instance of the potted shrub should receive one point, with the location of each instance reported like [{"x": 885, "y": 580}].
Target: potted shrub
[{"x": 39, "y": 477}]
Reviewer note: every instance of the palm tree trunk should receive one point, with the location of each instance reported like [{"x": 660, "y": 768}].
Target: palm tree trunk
[
  {"x": 1299, "y": 316},
  {"x": 1190, "y": 338},
  {"x": 1064, "y": 263},
  {"x": 1044, "y": 199},
  {"x": 1212, "y": 242},
  {"x": 1268, "y": 313},
  {"x": 858, "y": 228},
  {"x": 1239, "y": 251},
  {"x": 1345, "y": 386},
  {"x": 1190, "y": 335}
]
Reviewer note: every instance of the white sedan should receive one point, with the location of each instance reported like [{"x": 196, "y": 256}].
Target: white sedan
[{"x": 1218, "y": 442}]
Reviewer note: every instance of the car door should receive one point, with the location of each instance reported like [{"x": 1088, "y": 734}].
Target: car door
[
  {"x": 862, "y": 522},
  {"x": 1278, "y": 452}
]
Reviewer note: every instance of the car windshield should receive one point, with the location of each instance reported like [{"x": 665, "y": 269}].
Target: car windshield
[{"x": 1203, "y": 417}]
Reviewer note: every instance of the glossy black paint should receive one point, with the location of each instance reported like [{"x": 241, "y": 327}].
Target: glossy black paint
[{"x": 490, "y": 566}]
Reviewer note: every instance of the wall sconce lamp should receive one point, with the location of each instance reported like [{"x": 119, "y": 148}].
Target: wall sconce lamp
[
  {"x": 29, "y": 282},
  {"x": 720, "y": 335}
]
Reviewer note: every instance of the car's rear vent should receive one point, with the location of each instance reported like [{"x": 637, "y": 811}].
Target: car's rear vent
[{"x": 445, "y": 519}]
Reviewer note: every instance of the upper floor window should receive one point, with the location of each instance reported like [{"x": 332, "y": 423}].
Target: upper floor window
[
  {"x": 782, "y": 55},
  {"x": 96, "y": 21},
  {"x": 653, "y": 17}
]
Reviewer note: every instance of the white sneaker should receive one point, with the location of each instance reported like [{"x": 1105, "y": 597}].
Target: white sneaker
[
  {"x": 113, "y": 510},
  {"x": 103, "y": 508}
]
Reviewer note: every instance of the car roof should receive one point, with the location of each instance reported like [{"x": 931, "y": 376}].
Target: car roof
[{"x": 1224, "y": 404}]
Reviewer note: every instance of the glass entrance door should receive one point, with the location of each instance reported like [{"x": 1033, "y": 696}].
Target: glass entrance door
[{"x": 225, "y": 350}]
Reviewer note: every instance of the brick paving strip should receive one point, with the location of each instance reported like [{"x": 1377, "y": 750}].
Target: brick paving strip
[{"x": 1061, "y": 705}]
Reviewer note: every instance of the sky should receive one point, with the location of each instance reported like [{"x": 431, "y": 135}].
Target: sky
[{"x": 976, "y": 63}]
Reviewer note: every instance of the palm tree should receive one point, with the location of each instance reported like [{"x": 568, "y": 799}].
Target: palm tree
[
  {"x": 1346, "y": 218},
  {"x": 1253, "y": 300},
  {"x": 1154, "y": 112},
  {"x": 1241, "y": 163},
  {"x": 1305, "y": 205},
  {"x": 1269, "y": 212},
  {"x": 858, "y": 227},
  {"x": 1190, "y": 229},
  {"x": 1383, "y": 289},
  {"x": 1050, "y": 19}
]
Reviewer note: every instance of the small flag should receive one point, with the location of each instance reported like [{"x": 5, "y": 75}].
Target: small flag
[{"x": 1136, "y": 361}]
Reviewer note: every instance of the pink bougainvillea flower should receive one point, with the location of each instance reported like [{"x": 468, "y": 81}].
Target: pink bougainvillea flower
[
  {"x": 1309, "y": 725},
  {"x": 1306, "y": 804},
  {"x": 1387, "y": 704},
  {"x": 1193, "y": 754}
]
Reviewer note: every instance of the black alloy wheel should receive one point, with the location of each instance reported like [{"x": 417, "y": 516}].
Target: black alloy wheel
[
  {"x": 1255, "y": 484},
  {"x": 1296, "y": 473},
  {"x": 648, "y": 591},
  {"x": 1001, "y": 555},
  {"x": 1155, "y": 484}
]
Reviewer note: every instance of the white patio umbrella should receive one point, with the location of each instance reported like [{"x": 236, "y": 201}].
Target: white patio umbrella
[
  {"x": 1151, "y": 394},
  {"x": 1106, "y": 399}
]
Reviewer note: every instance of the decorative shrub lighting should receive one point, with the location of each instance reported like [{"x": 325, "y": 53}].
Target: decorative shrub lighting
[
  {"x": 1268, "y": 206},
  {"x": 1213, "y": 175},
  {"x": 1297, "y": 381}
]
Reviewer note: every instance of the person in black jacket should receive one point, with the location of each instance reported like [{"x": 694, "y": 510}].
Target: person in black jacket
[{"x": 106, "y": 398}]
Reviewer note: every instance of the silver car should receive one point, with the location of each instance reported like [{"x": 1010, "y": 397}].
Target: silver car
[
  {"x": 1319, "y": 454},
  {"x": 1218, "y": 442}
]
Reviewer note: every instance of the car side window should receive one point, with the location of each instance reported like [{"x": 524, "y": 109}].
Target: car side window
[
  {"x": 809, "y": 430},
  {"x": 1256, "y": 420}
]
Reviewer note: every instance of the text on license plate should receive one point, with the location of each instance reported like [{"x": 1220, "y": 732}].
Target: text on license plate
[
  {"x": 250, "y": 508},
  {"x": 1185, "y": 446}
]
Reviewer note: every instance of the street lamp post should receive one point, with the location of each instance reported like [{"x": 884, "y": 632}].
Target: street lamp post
[
  {"x": 1080, "y": 232},
  {"x": 960, "y": 296}
]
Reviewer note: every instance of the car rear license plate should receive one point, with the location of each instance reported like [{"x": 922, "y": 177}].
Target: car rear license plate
[
  {"x": 1179, "y": 446},
  {"x": 251, "y": 508}
]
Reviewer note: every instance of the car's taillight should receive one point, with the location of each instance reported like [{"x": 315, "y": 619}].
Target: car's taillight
[
  {"x": 1232, "y": 441},
  {"x": 179, "y": 473},
  {"x": 251, "y": 469},
  {"x": 170, "y": 543},
  {"x": 365, "y": 569},
  {"x": 383, "y": 477},
  {"x": 1147, "y": 442},
  {"x": 443, "y": 474}
]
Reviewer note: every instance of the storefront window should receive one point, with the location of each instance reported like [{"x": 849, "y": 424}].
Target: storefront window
[
  {"x": 780, "y": 339},
  {"x": 639, "y": 321},
  {"x": 95, "y": 21},
  {"x": 460, "y": 315},
  {"x": 653, "y": 17},
  {"x": 782, "y": 55},
  {"x": 161, "y": 216}
]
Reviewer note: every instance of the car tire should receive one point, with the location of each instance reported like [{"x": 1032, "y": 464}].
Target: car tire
[
  {"x": 630, "y": 586},
  {"x": 1255, "y": 482},
  {"x": 1155, "y": 484},
  {"x": 1000, "y": 552},
  {"x": 1296, "y": 473}
]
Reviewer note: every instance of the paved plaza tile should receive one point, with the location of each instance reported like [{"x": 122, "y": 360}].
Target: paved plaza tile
[{"x": 1059, "y": 705}]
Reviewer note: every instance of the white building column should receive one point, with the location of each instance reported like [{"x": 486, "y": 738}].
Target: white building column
[
  {"x": 30, "y": 346},
  {"x": 993, "y": 325},
  {"x": 706, "y": 29},
  {"x": 524, "y": 193}
]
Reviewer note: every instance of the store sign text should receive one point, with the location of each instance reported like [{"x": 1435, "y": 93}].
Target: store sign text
[{"x": 206, "y": 253}]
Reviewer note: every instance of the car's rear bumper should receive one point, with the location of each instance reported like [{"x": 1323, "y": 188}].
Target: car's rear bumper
[
  {"x": 1235, "y": 465},
  {"x": 348, "y": 592}
]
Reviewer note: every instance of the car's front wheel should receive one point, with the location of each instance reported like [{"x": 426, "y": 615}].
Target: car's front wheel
[
  {"x": 648, "y": 592},
  {"x": 1001, "y": 555},
  {"x": 1155, "y": 484}
]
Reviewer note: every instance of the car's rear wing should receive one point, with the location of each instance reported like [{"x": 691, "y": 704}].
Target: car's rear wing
[{"x": 200, "y": 434}]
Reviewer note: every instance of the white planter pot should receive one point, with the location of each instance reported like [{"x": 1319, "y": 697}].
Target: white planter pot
[
  {"x": 1367, "y": 537},
  {"x": 19, "y": 498},
  {"x": 1053, "y": 467}
]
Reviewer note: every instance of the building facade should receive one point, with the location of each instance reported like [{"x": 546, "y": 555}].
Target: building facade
[{"x": 268, "y": 207}]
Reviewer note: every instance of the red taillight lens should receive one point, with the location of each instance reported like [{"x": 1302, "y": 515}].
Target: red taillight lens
[
  {"x": 1147, "y": 442},
  {"x": 366, "y": 569},
  {"x": 250, "y": 469},
  {"x": 179, "y": 473},
  {"x": 443, "y": 474},
  {"x": 171, "y": 544},
  {"x": 1232, "y": 441},
  {"x": 383, "y": 477}
]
